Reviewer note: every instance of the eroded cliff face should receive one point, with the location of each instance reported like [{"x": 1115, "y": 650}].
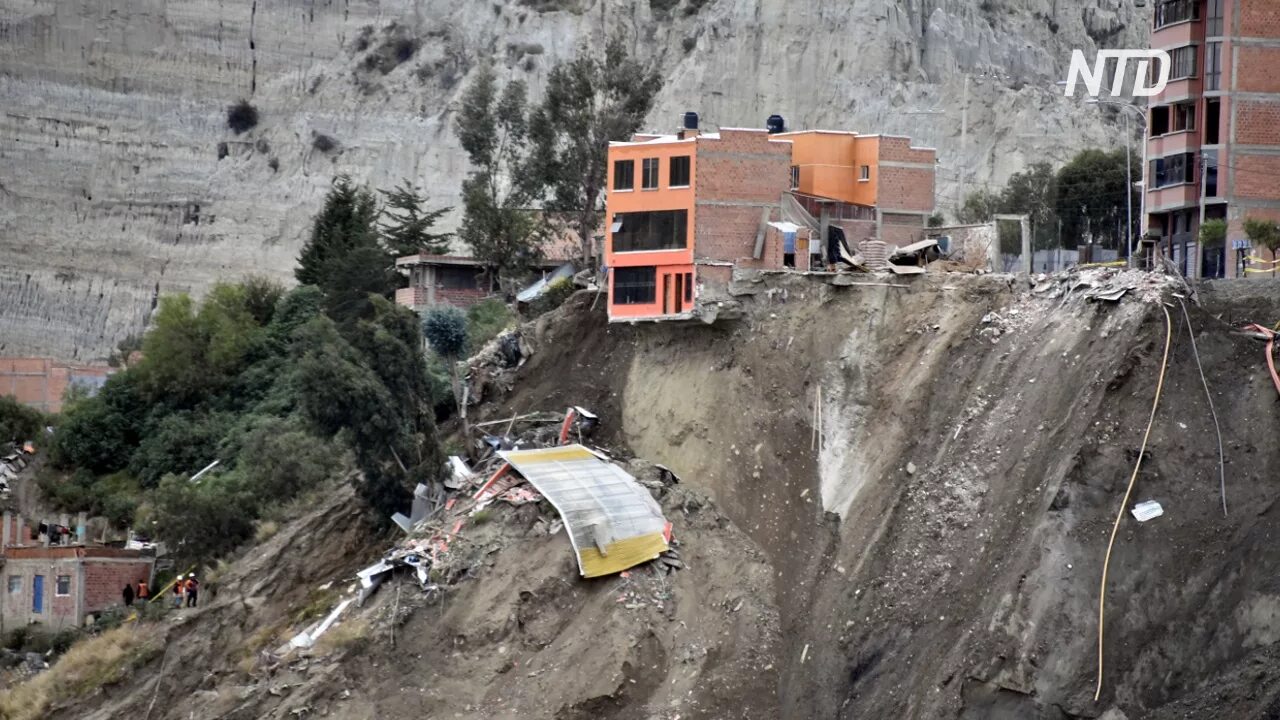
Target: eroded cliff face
[{"x": 119, "y": 178}]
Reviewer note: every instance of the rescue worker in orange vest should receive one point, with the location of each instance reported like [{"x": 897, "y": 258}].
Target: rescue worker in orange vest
[
  {"x": 144, "y": 592},
  {"x": 177, "y": 592},
  {"x": 193, "y": 588}
]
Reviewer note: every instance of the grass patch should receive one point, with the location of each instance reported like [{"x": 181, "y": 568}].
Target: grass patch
[
  {"x": 317, "y": 604},
  {"x": 348, "y": 635},
  {"x": 87, "y": 666},
  {"x": 265, "y": 531},
  {"x": 485, "y": 320}
]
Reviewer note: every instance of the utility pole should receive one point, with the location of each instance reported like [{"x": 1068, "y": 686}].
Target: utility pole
[{"x": 964, "y": 139}]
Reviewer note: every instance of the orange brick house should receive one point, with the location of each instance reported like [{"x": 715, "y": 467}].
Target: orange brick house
[
  {"x": 684, "y": 210},
  {"x": 42, "y": 382}
]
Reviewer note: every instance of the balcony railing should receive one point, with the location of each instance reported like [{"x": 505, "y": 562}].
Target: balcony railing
[{"x": 1169, "y": 12}]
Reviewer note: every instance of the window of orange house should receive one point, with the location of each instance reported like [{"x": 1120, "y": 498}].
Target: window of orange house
[
  {"x": 634, "y": 286},
  {"x": 795, "y": 177},
  {"x": 864, "y": 172},
  {"x": 679, "y": 173},
  {"x": 650, "y": 180},
  {"x": 624, "y": 174}
]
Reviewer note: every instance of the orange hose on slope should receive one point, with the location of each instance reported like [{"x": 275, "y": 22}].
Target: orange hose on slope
[
  {"x": 1106, "y": 563},
  {"x": 1271, "y": 358}
]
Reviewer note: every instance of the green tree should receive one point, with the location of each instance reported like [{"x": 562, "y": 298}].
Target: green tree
[
  {"x": 937, "y": 220},
  {"x": 445, "y": 328},
  {"x": 202, "y": 520},
  {"x": 1213, "y": 233},
  {"x": 181, "y": 442},
  {"x": 1091, "y": 196},
  {"x": 406, "y": 226},
  {"x": 1034, "y": 192},
  {"x": 590, "y": 101},
  {"x": 492, "y": 129},
  {"x": 344, "y": 256},
  {"x": 1264, "y": 233},
  {"x": 446, "y": 331},
  {"x": 979, "y": 207},
  {"x": 19, "y": 422},
  {"x": 279, "y": 459}
]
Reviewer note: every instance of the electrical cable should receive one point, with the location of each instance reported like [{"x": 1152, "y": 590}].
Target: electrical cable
[
  {"x": 1106, "y": 562},
  {"x": 1222, "y": 461}
]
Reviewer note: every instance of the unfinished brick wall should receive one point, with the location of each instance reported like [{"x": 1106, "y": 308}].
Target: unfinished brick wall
[
  {"x": 1258, "y": 122},
  {"x": 1258, "y": 70},
  {"x": 1259, "y": 18},
  {"x": 899, "y": 235},
  {"x": 898, "y": 149},
  {"x": 737, "y": 178},
  {"x": 742, "y": 167},
  {"x": 105, "y": 579},
  {"x": 1256, "y": 176},
  {"x": 906, "y": 189},
  {"x": 460, "y": 297}
]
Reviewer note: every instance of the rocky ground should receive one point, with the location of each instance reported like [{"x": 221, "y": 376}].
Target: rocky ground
[{"x": 932, "y": 548}]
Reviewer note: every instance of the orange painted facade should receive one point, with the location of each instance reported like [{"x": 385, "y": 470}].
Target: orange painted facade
[
  {"x": 729, "y": 207},
  {"x": 667, "y": 264},
  {"x": 830, "y": 164}
]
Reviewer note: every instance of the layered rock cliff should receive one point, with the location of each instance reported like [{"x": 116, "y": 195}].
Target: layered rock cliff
[{"x": 119, "y": 178}]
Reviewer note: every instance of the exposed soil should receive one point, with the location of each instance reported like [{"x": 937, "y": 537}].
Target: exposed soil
[{"x": 936, "y": 555}]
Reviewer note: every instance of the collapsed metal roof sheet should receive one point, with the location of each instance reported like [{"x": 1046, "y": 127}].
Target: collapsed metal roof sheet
[{"x": 613, "y": 521}]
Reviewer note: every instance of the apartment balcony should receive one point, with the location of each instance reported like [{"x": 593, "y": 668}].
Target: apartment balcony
[
  {"x": 1177, "y": 34},
  {"x": 1182, "y": 89},
  {"x": 1174, "y": 143},
  {"x": 1173, "y": 197}
]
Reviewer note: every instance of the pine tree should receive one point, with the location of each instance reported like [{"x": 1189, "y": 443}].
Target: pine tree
[
  {"x": 406, "y": 227},
  {"x": 346, "y": 222}
]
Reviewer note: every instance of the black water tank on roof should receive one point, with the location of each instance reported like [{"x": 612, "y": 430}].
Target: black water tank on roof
[
  {"x": 776, "y": 124},
  {"x": 691, "y": 121}
]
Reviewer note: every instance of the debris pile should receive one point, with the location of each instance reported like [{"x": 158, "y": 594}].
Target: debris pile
[
  {"x": 611, "y": 517},
  {"x": 1101, "y": 283},
  {"x": 13, "y": 462}
]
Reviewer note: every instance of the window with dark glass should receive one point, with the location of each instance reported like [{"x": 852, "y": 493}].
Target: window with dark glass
[
  {"x": 1184, "y": 62},
  {"x": 650, "y": 179},
  {"x": 624, "y": 174},
  {"x": 795, "y": 177},
  {"x": 679, "y": 174},
  {"x": 688, "y": 287},
  {"x": 655, "y": 230},
  {"x": 1213, "y": 66},
  {"x": 1169, "y": 12},
  {"x": 634, "y": 286},
  {"x": 456, "y": 278},
  {"x": 1212, "y": 121},
  {"x": 864, "y": 172},
  {"x": 1173, "y": 170},
  {"x": 63, "y": 586},
  {"x": 1183, "y": 117},
  {"x": 1160, "y": 120},
  {"x": 1213, "y": 26}
]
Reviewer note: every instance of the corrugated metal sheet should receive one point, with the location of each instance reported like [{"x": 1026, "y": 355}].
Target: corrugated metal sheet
[{"x": 613, "y": 521}]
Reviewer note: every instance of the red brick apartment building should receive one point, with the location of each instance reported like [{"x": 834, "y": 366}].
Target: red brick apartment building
[
  {"x": 60, "y": 586},
  {"x": 1214, "y": 144},
  {"x": 685, "y": 209}
]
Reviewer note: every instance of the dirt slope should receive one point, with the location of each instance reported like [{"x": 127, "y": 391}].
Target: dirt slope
[
  {"x": 940, "y": 556},
  {"x": 517, "y": 635}
]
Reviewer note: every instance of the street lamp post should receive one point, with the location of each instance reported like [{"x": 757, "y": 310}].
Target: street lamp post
[{"x": 1142, "y": 200}]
